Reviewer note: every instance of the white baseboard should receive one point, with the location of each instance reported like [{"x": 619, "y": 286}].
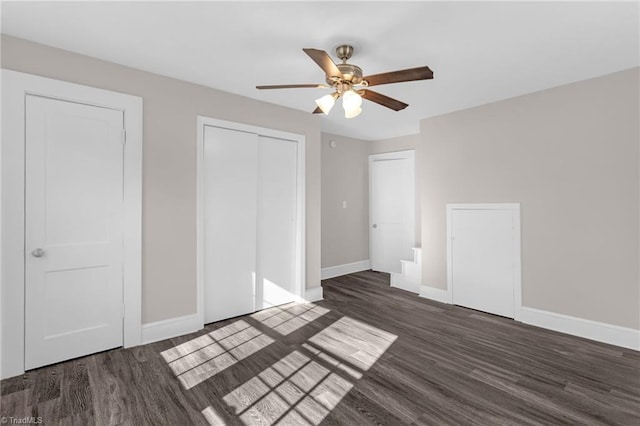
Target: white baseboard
[
  {"x": 172, "y": 327},
  {"x": 347, "y": 268},
  {"x": 593, "y": 330},
  {"x": 598, "y": 331},
  {"x": 313, "y": 294},
  {"x": 437, "y": 294}
]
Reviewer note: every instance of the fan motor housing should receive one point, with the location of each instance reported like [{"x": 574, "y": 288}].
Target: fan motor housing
[{"x": 350, "y": 73}]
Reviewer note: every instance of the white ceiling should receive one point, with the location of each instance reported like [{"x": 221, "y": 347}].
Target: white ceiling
[{"x": 479, "y": 52}]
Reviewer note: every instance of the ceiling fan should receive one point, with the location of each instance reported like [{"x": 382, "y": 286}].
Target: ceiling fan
[{"x": 349, "y": 84}]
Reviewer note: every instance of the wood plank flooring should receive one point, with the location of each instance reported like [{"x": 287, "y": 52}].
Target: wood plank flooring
[{"x": 367, "y": 354}]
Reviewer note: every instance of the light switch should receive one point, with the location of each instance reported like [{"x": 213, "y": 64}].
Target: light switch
[{"x": 344, "y": 204}]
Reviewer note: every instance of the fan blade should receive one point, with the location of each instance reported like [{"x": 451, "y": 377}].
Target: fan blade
[
  {"x": 413, "y": 74},
  {"x": 323, "y": 59},
  {"x": 383, "y": 100},
  {"x": 293, "y": 86},
  {"x": 317, "y": 111}
]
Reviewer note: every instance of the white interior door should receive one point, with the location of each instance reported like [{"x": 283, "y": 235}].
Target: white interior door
[
  {"x": 277, "y": 203},
  {"x": 230, "y": 222},
  {"x": 392, "y": 210},
  {"x": 73, "y": 230},
  {"x": 483, "y": 259}
]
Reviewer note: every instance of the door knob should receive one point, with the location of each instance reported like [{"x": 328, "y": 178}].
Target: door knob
[
  {"x": 37, "y": 252},
  {"x": 375, "y": 225}
]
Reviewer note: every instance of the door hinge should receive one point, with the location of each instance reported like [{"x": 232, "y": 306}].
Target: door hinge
[
  {"x": 124, "y": 136},
  {"x": 123, "y": 310}
]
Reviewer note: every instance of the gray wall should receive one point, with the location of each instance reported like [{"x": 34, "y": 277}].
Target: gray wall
[
  {"x": 345, "y": 177},
  {"x": 569, "y": 155},
  {"x": 169, "y": 163},
  {"x": 400, "y": 143}
]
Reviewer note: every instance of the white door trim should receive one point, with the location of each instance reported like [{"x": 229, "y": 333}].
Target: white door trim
[
  {"x": 408, "y": 154},
  {"x": 300, "y": 209},
  {"x": 15, "y": 87},
  {"x": 517, "y": 268}
]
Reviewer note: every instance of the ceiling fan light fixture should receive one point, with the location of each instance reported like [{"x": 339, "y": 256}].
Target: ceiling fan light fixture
[
  {"x": 326, "y": 102},
  {"x": 351, "y": 102},
  {"x": 353, "y": 112}
]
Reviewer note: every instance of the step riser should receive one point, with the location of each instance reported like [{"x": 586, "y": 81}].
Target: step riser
[{"x": 411, "y": 276}]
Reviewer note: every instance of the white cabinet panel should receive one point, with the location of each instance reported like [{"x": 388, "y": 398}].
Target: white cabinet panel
[{"x": 483, "y": 266}]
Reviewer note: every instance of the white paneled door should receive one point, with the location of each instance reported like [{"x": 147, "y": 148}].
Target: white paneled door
[
  {"x": 483, "y": 259},
  {"x": 73, "y": 230},
  {"x": 392, "y": 194},
  {"x": 250, "y": 222}
]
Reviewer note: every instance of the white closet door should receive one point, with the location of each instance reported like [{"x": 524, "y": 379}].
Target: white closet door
[
  {"x": 277, "y": 195},
  {"x": 483, "y": 260},
  {"x": 230, "y": 211},
  {"x": 73, "y": 230}
]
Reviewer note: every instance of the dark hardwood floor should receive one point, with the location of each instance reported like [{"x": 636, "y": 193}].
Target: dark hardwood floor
[{"x": 367, "y": 354}]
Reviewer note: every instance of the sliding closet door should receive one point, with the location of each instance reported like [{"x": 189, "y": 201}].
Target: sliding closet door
[
  {"x": 230, "y": 211},
  {"x": 276, "y": 244}
]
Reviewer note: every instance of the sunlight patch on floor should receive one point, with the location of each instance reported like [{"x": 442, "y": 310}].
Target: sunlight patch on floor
[
  {"x": 288, "y": 318},
  {"x": 207, "y": 355},
  {"x": 294, "y": 390},
  {"x": 354, "y": 342},
  {"x": 353, "y": 372},
  {"x": 306, "y": 385},
  {"x": 212, "y": 417}
]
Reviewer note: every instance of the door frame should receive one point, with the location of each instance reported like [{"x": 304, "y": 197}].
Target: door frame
[
  {"x": 408, "y": 154},
  {"x": 300, "y": 262},
  {"x": 15, "y": 87},
  {"x": 517, "y": 262}
]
